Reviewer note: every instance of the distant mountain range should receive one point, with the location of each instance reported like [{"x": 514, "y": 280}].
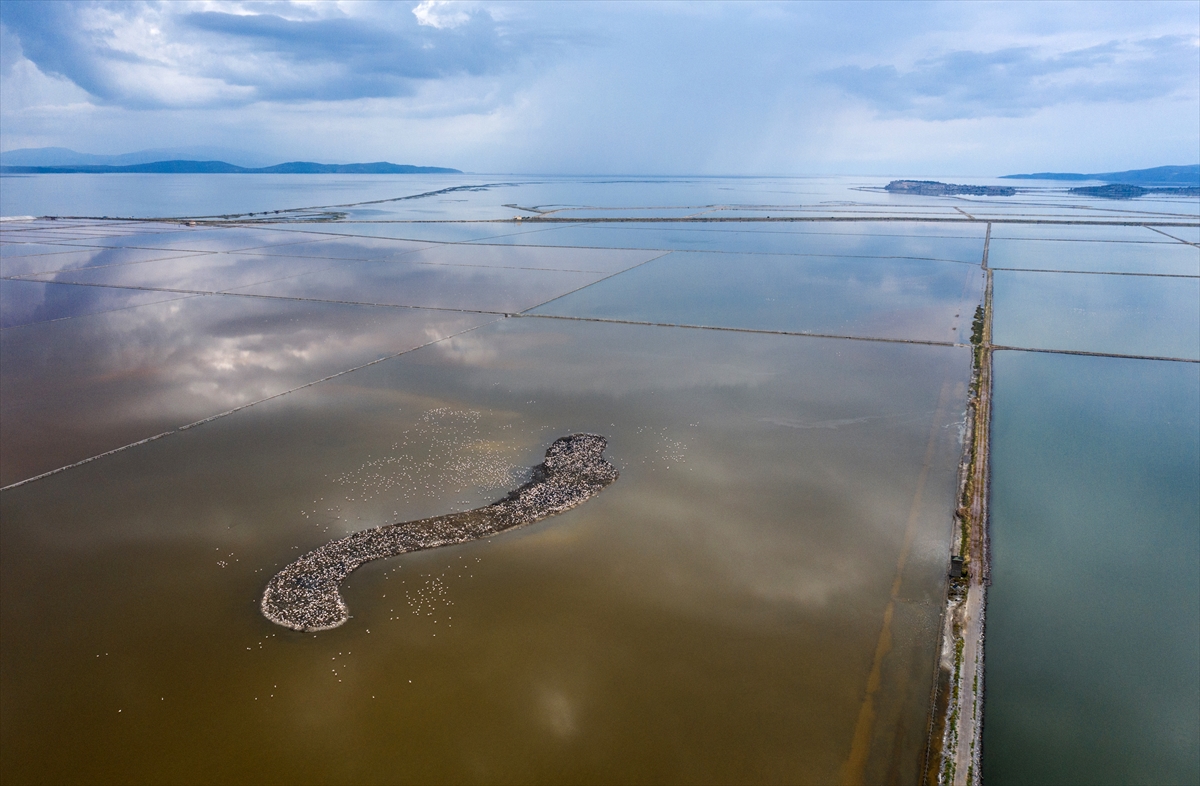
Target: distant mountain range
[
  {"x": 1158, "y": 176},
  {"x": 187, "y": 160},
  {"x": 223, "y": 168},
  {"x": 62, "y": 156}
]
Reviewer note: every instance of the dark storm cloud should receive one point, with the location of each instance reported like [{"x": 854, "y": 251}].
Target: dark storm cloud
[
  {"x": 49, "y": 36},
  {"x": 366, "y": 58},
  {"x": 265, "y": 56},
  {"x": 1018, "y": 81}
]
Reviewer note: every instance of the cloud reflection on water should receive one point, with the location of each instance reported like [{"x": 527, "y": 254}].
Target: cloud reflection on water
[{"x": 80, "y": 386}]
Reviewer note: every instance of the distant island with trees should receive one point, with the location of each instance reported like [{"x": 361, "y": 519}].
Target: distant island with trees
[
  {"x": 1133, "y": 183},
  {"x": 1128, "y": 191},
  {"x": 934, "y": 188}
]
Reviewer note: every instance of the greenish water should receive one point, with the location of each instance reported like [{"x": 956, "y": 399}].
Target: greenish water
[{"x": 1093, "y": 618}]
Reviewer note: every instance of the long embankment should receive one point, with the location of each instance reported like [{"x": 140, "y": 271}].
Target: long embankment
[{"x": 953, "y": 749}]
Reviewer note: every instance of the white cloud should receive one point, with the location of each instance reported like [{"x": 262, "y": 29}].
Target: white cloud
[
  {"x": 440, "y": 14},
  {"x": 1018, "y": 81}
]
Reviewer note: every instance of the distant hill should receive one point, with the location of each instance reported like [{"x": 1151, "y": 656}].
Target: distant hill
[
  {"x": 221, "y": 167},
  {"x": 62, "y": 156},
  {"x": 1158, "y": 176}
]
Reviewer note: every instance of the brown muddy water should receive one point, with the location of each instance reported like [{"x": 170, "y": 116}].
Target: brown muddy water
[{"x": 714, "y": 615}]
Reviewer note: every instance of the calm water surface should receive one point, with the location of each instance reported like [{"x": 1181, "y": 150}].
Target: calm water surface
[
  {"x": 1098, "y": 313},
  {"x": 853, "y": 296},
  {"x": 1177, "y": 259},
  {"x": 712, "y": 616},
  {"x": 1093, "y": 636}
]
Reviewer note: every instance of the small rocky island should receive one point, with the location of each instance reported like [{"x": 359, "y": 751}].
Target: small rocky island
[
  {"x": 934, "y": 188},
  {"x": 1127, "y": 191}
]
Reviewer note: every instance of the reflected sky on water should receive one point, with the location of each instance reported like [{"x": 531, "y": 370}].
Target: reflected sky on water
[
  {"x": 67, "y": 259},
  {"x": 77, "y": 387},
  {"x": 1088, "y": 232},
  {"x": 1097, "y": 313},
  {"x": 27, "y": 302},
  {"x": 767, "y": 239},
  {"x": 1168, "y": 258},
  {"x": 855, "y": 296},
  {"x": 716, "y": 609}
]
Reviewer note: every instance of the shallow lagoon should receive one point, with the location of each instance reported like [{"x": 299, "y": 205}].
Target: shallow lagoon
[
  {"x": 1177, "y": 259},
  {"x": 1098, "y": 313},
  {"x": 712, "y": 616},
  {"x": 1093, "y": 628},
  {"x": 74, "y": 388},
  {"x": 849, "y": 296},
  {"x": 28, "y": 302},
  {"x": 948, "y": 243}
]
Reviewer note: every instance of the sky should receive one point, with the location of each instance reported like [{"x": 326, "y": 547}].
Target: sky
[{"x": 744, "y": 88}]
